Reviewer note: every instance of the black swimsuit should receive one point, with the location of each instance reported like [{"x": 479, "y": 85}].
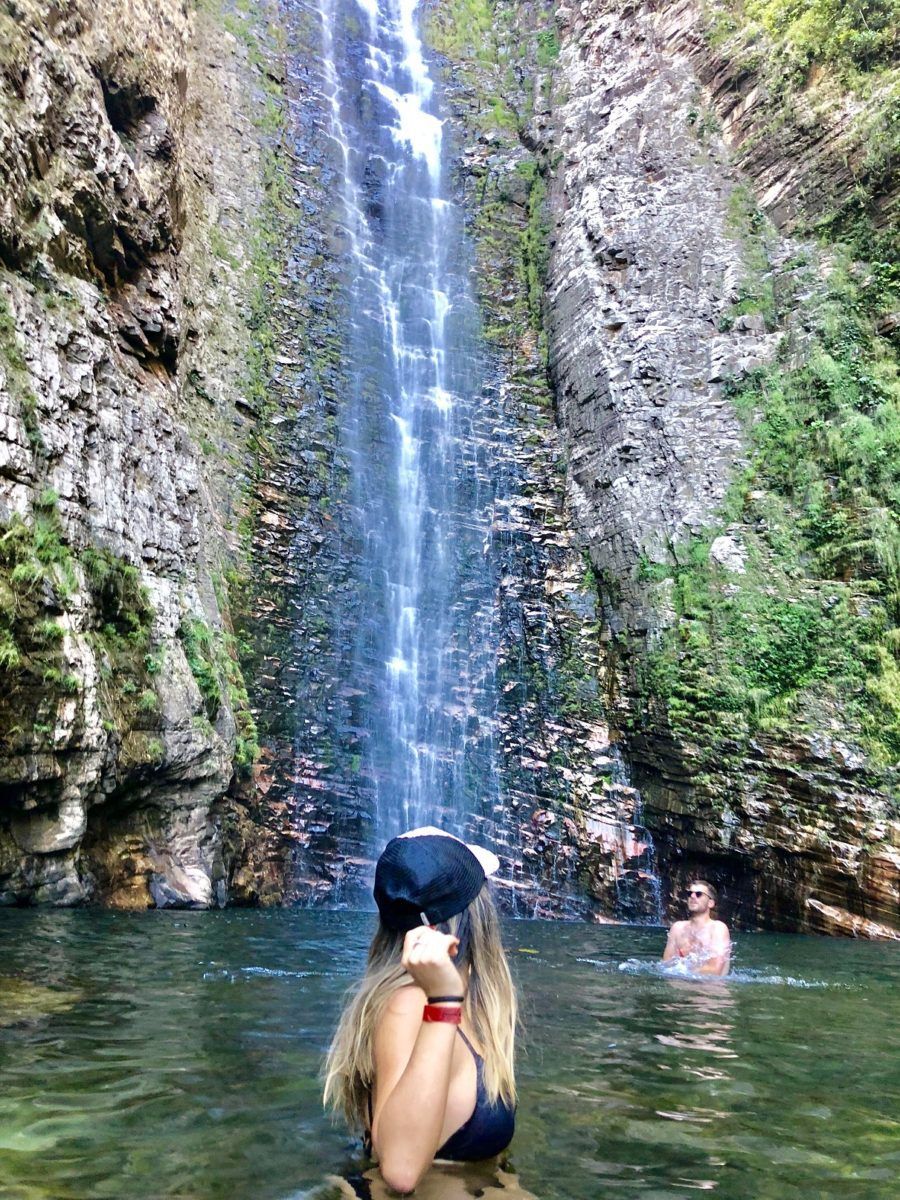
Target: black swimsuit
[{"x": 489, "y": 1129}]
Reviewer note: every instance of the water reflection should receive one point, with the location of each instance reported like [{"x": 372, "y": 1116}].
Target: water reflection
[
  {"x": 183, "y": 1061},
  {"x": 664, "y": 1080},
  {"x": 486, "y": 1181},
  {"x": 702, "y": 1020}
]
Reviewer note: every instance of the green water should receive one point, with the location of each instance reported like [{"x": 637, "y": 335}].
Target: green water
[{"x": 175, "y": 1055}]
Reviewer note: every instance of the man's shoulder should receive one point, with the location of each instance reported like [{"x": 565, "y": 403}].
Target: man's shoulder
[
  {"x": 721, "y": 928},
  {"x": 678, "y": 926}
]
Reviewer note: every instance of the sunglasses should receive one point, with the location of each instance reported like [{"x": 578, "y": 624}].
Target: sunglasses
[{"x": 696, "y": 892}]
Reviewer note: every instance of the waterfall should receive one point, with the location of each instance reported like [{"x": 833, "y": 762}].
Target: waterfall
[
  {"x": 431, "y": 637},
  {"x": 414, "y": 426}
]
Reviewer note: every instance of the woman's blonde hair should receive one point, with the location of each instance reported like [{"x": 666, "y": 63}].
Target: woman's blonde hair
[{"x": 490, "y": 1007}]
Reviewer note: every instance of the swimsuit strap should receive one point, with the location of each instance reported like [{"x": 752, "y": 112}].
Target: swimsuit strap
[
  {"x": 475, "y": 1054},
  {"x": 367, "y": 1133},
  {"x": 490, "y": 1127}
]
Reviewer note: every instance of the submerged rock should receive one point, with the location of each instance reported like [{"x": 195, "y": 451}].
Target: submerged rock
[{"x": 25, "y": 1003}]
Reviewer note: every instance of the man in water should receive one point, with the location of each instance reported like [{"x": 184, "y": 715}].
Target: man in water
[{"x": 702, "y": 942}]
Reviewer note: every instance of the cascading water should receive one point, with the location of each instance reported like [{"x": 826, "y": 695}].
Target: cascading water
[
  {"x": 441, "y": 665},
  {"x": 422, "y": 483}
]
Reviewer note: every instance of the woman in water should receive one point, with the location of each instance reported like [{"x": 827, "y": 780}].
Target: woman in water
[{"x": 422, "y": 1060}]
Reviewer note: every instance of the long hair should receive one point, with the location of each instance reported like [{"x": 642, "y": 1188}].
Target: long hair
[{"x": 490, "y": 1007}]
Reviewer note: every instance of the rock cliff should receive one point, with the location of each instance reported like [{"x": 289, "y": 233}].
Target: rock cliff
[
  {"x": 132, "y": 178},
  {"x": 699, "y": 595},
  {"x": 669, "y": 288}
]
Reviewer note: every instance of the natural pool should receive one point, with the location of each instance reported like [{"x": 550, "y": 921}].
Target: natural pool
[{"x": 176, "y": 1055}]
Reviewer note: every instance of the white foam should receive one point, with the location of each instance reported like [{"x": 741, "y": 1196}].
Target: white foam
[
  {"x": 420, "y": 131},
  {"x": 414, "y": 61},
  {"x": 681, "y": 969},
  {"x": 440, "y": 398},
  {"x": 370, "y": 8}
]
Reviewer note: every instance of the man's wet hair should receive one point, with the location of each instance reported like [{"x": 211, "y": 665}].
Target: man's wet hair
[{"x": 713, "y": 894}]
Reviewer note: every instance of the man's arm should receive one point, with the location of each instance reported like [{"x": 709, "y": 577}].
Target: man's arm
[
  {"x": 671, "y": 950},
  {"x": 718, "y": 960}
]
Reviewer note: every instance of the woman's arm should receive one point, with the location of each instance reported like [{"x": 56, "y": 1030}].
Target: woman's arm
[
  {"x": 413, "y": 1061},
  {"x": 412, "y": 1070}
]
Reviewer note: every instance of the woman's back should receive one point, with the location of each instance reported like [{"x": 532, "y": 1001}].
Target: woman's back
[{"x": 423, "y": 1055}]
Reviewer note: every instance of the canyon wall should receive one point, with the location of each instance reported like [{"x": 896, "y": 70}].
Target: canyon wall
[
  {"x": 132, "y": 184},
  {"x": 692, "y": 328},
  {"x": 680, "y": 246}
]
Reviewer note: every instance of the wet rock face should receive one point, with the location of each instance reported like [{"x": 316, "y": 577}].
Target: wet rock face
[
  {"x": 641, "y": 273},
  {"x": 644, "y": 266},
  {"x": 112, "y": 768},
  {"x": 794, "y": 835}
]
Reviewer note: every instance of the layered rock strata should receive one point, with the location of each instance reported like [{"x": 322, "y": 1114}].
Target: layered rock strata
[
  {"x": 127, "y": 153},
  {"x": 811, "y": 149},
  {"x": 643, "y": 279}
]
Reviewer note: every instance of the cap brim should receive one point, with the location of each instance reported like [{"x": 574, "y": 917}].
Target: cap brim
[{"x": 490, "y": 863}]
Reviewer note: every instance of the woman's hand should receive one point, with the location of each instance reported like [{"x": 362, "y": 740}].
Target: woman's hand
[{"x": 427, "y": 956}]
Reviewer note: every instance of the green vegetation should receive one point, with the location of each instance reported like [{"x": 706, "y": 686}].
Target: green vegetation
[
  {"x": 10, "y": 657},
  {"x": 49, "y": 631},
  {"x": 200, "y": 649},
  {"x": 213, "y": 658},
  {"x": 18, "y": 379},
  {"x": 815, "y": 617},
  {"x": 122, "y": 601},
  {"x": 702, "y": 120},
  {"x": 534, "y": 242},
  {"x": 855, "y": 37},
  {"x": 753, "y": 229},
  {"x": 34, "y": 554},
  {"x": 547, "y": 48},
  {"x": 154, "y": 750},
  {"x": 41, "y": 574},
  {"x": 483, "y": 38},
  {"x": 466, "y": 30}
]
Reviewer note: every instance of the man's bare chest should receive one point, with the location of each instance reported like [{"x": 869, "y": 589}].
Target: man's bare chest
[{"x": 694, "y": 941}]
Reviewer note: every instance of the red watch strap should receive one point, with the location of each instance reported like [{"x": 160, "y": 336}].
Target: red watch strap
[{"x": 440, "y": 1012}]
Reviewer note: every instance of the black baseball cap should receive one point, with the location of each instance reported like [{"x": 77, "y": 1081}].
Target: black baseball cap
[{"x": 426, "y": 876}]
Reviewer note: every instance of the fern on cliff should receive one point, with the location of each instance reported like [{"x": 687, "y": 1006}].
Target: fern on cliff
[{"x": 852, "y": 36}]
